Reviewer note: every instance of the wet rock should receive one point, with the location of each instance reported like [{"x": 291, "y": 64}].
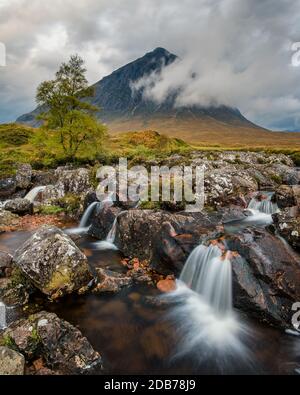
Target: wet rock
[
  {"x": 287, "y": 224},
  {"x": 109, "y": 281},
  {"x": 23, "y": 176},
  {"x": 14, "y": 293},
  {"x": 161, "y": 237},
  {"x": 19, "y": 206},
  {"x": 58, "y": 343},
  {"x": 267, "y": 279},
  {"x": 12, "y": 363},
  {"x": 8, "y": 187},
  {"x": 5, "y": 264},
  {"x": 103, "y": 221},
  {"x": 52, "y": 262},
  {"x": 287, "y": 196}
]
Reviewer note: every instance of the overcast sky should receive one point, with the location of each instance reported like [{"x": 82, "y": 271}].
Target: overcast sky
[{"x": 240, "y": 50}]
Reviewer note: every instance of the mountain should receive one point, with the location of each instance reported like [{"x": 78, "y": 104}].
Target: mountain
[{"x": 125, "y": 109}]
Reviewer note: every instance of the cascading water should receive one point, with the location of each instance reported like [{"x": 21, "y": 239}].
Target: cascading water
[
  {"x": 109, "y": 242},
  {"x": 203, "y": 313},
  {"x": 85, "y": 220},
  {"x": 2, "y": 316},
  {"x": 263, "y": 205},
  {"x": 208, "y": 273},
  {"x": 32, "y": 195},
  {"x": 112, "y": 233}
]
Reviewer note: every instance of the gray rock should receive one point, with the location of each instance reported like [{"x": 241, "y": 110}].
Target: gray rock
[
  {"x": 7, "y": 187},
  {"x": 61, "y": 345},
  {"x": 19, "y": 206},
  {"x": 12, "y": 363},
  {"x": 52, "y": 262},
  {"x": 23, "y": 176}
]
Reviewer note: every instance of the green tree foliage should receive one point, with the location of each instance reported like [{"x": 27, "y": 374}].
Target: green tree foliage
[{"x": 65, "y": 110}]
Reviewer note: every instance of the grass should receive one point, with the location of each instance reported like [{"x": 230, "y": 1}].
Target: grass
[{"x": 19, "y": 144}]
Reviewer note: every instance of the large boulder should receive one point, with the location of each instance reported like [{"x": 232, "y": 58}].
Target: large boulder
[
  {"x": 287, "y": 196},
  {"x": 75, "y": 181},
  {"x": 61, "y": 346},
  {"x": 12, "y": 363},
  {"x": 267, "y": 278},
  {"x": 23, "y": 176},
  {"x": 163, "y": 238},
  {"x": 53, "y": 263},
  {"x": 102, "y": 221},
  {"x": 19, "y": 206}
]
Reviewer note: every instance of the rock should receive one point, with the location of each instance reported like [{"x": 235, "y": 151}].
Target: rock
[
  {"x": 287, "y": 196},
  {"x": 52, "y": 262},
  {"x": 8, "y": 187},
  {"x": 5, "y": 263},
  {"x": 58, "y": 343},
  {"x": 109, "y": 281},
  {"x": 162, "y": 238},
  {"x": 14, "y": 294},
  {"x": 19, "y": 206},
  {"x": 23, "y": 176},
  {"x": 287, "y": 224},
  {"x": 43, "y": 178},
  {"x": 103, "y": 221},
  {"x": 267, "y": 279},
  {"x": 12, "y": 363},
  {"x": 75, "y": 181},
  {"x": 8, "y": 219}
]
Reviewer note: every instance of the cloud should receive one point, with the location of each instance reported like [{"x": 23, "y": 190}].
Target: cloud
[{"x": 234, "y": 52}]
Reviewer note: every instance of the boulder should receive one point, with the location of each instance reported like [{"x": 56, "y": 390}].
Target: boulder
[
  {"x": 23, "y": 176},
  {"x": 58, "y": 343},
  {"x": 287, "y": 224},
  {"x": 5, "y": 263},
  {"x": 287, "y": 196},
  {"x": 161, "y": 237},
  {"x": 267, "y": 277},
  {"x": 52, "y": 262},
  {"x": 109, "y": 281},
  {"x": 8, "y": 219},
  {"x": 19, "y": 206},
  {"x": 103, "y": 221},
  {"x": 75, "y": 181},
  {"x": 8, "y": 187},
  {"x": 12, "y": 363}
]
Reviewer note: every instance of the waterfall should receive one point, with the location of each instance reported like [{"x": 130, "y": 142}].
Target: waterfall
[
  {"x": 85, "y": 220},
  {"x": 2, "y": 316},
  {"x": 208, "y": 328},
  {"x": 112, "y": 233},
  {"x": 208, "y": 273},
  {"x": 32, "y": 195},
  {"x": 264, "y": 205}
]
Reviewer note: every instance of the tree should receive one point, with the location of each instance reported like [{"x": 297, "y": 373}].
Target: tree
[{"x": 66, "y": 111}]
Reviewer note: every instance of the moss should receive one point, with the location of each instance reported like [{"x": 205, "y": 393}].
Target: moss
[
  {"x": 70, "y": 203},
  {"x": 49, "y": 210},
  {"x": 276, "y": 178},
  {"x": 18, "y": 278},
  {"x": 59, "y": 280},
  {"x": 8, "y": 341}
]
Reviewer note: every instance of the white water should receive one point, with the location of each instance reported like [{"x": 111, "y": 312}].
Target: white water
[
  {"x": 208, "y": 273},
  {"x": 265, "y": 206},
  {"x": 112, "y": 233},
  {"x": 203, "y": 315},
  {"x": 2, "y": 316},
  {"x": 32, "y": 195},
  {"x": 85, "y": 220}
]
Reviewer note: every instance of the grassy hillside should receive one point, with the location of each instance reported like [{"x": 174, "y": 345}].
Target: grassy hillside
[
  {"x": 208, "y": 132},
  {"x": 19, "y": 144}
]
